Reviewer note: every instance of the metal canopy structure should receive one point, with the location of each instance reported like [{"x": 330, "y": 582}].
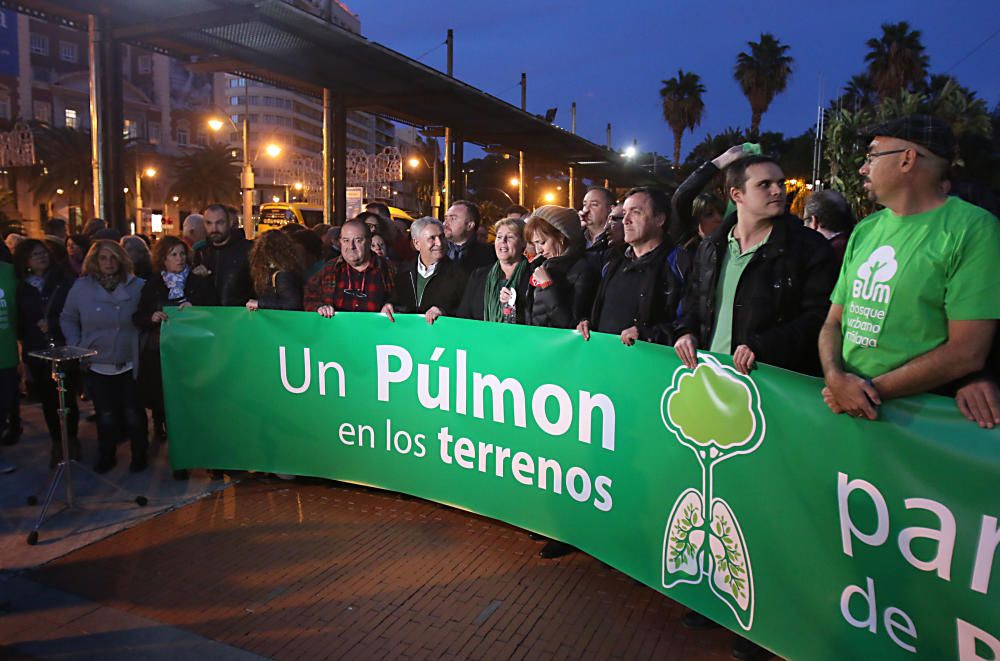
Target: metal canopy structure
[{"x": 276, "y": 42}]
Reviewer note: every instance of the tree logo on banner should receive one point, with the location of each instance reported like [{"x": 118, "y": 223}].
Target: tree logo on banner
[{"x": 715, "y": 411}]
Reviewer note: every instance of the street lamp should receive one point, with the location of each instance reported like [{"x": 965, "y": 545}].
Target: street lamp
[
  {"x": 436, "y": 195},
  {"x": 515, "y": 182},
  {"x": 148, "y": 172},
  {"x": 549, "y": 198},
  {"x": 246, "y": 176}
]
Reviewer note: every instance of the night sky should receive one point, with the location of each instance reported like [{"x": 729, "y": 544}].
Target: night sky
[{"x": 611, "y": 57}]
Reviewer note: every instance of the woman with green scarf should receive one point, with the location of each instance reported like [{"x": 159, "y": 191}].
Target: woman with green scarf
[{"x": 499, "y": 292}]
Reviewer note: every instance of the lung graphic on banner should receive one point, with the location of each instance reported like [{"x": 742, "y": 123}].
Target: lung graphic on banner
[{"x": 714, "y": 411}]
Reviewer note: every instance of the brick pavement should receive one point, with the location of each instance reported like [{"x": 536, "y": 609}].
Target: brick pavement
[{"x": 308, "y": 570}]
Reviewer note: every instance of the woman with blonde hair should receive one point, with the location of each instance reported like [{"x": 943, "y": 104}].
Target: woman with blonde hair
[
  {"x": 98, "y": 315},
  {"x": 563, "y": 282},
  {"x": 276, "y": 273},
  {"x": 499, "y": 292}
]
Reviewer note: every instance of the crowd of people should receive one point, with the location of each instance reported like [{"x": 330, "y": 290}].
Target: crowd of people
[{"x": 898, "y": 304}]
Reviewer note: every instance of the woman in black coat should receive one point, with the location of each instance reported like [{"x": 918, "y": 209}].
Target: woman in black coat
[
  {"x": 499, "y": 292},
  {"x": 276, "y": 271},
  {"x": 563, "y": 282},
  {"x": 172, "y": 285},
  {"x": 41, "y": 293}
]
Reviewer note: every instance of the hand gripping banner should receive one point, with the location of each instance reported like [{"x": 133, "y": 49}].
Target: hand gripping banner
[{"x": 743, "y": 497}]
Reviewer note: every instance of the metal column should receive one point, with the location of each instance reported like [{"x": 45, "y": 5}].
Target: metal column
[
  {"x": 571, "y": 193},
  {"x": 106, "y": 123},
  {"x": 339, "y": 163},
  {"x": 449, "y": 166},
  {"x": 328, "y": 205},
  {"x": 459, "y": 147},
  {"x": 520, "y": 154}
]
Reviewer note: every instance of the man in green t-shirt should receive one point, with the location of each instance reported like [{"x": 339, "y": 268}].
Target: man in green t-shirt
[{"x": 915, "y": 306}]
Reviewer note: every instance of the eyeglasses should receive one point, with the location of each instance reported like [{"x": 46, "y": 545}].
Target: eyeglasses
[{"x": 872, "y": 155}]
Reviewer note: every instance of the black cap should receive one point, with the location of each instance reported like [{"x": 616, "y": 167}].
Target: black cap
[{"x": 925, "y": 130}]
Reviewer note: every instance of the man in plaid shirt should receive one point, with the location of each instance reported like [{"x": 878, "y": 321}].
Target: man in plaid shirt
[{"x": 357, "y": 281}]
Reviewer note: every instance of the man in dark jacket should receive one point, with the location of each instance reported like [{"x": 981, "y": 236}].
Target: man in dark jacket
[
  {"x": 639, "y": 292},
  {"x": 760, "y": 285},
  {"x": 828, "y": 213},
  {"x": 431, "y": 284},
  {"x": 461, "y": 223},
  {"x": 225, "y": 257}
]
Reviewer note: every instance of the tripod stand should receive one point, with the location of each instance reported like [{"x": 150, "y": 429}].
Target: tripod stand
[{"x": 57, "y": 356}]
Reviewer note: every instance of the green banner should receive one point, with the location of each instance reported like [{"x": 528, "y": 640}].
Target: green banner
[
  {"x": 8, "y": 317},
  {"x": 818, "y": 536}
]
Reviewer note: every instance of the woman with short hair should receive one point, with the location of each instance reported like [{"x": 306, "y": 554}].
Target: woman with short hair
[
  {"x": 98, "y": 315},
  {"x": 173, "y": 286},
  {"x": 499, "y": 293}
]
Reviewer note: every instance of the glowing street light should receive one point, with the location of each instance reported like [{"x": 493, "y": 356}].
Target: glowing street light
[
  {"x": 149, "y": 172},
  {"x": 273, "y": 150},
  {"x": 414, "y": 162},
  {"x": 515, "y": 182},
  {"x": 630, "y": 151},
  {"x": 59, "y": 191},
  {"x": 297, "y": 185},
  {"x": 549, "y": 198},
  {"x": 215, "y": 124}
]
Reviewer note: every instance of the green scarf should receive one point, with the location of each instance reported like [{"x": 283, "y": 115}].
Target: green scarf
[{"x": 491, "y": 295}]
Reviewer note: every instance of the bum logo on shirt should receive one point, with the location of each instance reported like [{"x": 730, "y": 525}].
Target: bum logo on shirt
[
  {"x": 870, "y": 293},
  {"x": 874, "y": 273}
]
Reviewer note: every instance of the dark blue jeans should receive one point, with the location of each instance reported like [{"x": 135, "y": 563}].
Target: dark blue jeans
[{"x": 119, "y": 414}]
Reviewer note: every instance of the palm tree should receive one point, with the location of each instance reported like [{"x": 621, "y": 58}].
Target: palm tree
[
  {"x": 682, "y": 106},
  {"x": 858, "y": 93},
  {"x": 896, "y": 61},
  {"x": 64, "y": 164},
  {"x": 207, "y": 176},
  {"x": 762, "y": 74}
]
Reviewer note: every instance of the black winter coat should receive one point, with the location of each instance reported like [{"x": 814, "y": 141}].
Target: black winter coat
[
  {"x": 473, "y": 304},
  {"x": 34, "y": 305},
  {"x": 658, "y": 296},
  {"x": 683, "y": 225},
  {"x": 570, "y": 297},
  {"x": 198, "y": 290},
  {"x": 476, "y": 255},
  {"x": 444, "y": 290},
  {"x": 230, "y": 267},
  {"x": 781, "y": 300},
  {"x": 284, "y": 294}
]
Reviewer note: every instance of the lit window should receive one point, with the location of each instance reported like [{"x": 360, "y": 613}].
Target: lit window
[
  {"x": 39, "y": 44},
  {"x": 72, "y": 121},
  {"x": 68, "y": 51}
]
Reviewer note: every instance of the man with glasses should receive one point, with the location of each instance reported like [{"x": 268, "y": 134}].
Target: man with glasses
[
  {"x": 357, "y": 281},
  {"x": 916, "y": 304}
]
